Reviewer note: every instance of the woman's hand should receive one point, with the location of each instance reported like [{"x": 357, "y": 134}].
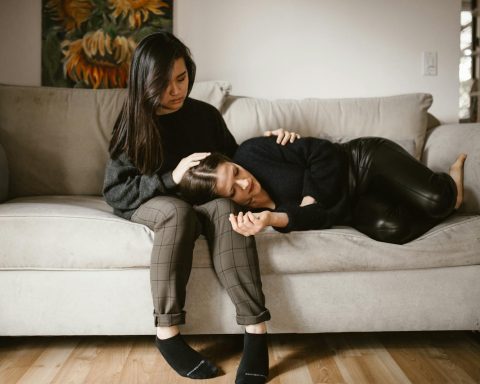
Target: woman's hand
[
  {"x": 307, "y": 200},
  {"x": 283, "y": 136},
  {"x": 249, "y": 224},
  {"x": 186, "y": 163}
]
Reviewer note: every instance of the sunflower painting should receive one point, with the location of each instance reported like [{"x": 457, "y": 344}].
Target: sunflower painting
[{"x": 89, "y": 43}]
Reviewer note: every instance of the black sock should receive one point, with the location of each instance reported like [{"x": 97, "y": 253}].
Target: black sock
[
  {"x": 253, "y": 368},
  {"x": 185, "y": 360}
]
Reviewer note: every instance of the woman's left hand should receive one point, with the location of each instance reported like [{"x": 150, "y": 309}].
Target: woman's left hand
[
  {"x": 283, "y": 136},
  {"x": 249, "y": 224}
]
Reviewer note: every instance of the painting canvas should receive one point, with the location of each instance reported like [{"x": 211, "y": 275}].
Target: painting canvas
[{"x": 89, "y": 43}]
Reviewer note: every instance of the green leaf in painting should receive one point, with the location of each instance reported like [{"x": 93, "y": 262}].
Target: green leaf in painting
[{"x": 51, "y": 57}]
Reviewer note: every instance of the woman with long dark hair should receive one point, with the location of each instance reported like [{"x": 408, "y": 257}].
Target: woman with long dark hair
[
  {"x": 160, "y": 134},
  {"x": 371, "y": 184}
]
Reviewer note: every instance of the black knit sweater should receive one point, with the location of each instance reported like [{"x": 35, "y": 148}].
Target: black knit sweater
[
  {"x": 307, "y": 167},
  {"x": 196, "y": 127}
]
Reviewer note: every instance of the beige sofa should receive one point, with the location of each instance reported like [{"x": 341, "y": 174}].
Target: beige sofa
[{"x": 68, "y": 266}]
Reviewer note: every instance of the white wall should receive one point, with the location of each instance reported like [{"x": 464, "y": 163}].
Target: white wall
[
  {"x": 20, "y": 42},
  {"x": 290, "y": 48}
]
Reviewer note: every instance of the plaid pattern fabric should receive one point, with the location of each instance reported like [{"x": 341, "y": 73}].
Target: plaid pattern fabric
[{"x": 177, "y": 225}]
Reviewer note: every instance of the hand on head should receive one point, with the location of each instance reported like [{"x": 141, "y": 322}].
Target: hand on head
[
  {"x": 186, "y": 163},
  {"x": 197, "y": 176}
]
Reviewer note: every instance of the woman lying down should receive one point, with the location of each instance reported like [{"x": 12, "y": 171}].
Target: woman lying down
[{"x": 370, "y": 183}]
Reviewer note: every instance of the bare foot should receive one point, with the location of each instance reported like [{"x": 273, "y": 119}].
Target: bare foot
[{"x": 456, "y": 171}]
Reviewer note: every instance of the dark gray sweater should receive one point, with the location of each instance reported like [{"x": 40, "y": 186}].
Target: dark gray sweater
[{"x": 196, "y": 127}]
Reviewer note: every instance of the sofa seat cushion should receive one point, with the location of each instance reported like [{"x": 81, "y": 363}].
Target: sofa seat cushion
[
  {"x": 81, "y": 232},
  {"x": 69, "y": 232}
]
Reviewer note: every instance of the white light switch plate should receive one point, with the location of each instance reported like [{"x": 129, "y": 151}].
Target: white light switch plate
[{"x": 429, "y": 64}]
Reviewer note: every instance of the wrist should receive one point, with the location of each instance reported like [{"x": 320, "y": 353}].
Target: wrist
[
  {"x": 168, "y": 182},
  {"x": 175, "y": 178},
  {"x": 278, "y": 219}
]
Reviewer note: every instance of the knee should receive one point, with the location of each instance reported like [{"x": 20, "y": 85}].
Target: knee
[
  {"x": 226, "y": 205},
  {"x": 394, "y": 231},
  {"x": 221, "y": 207},
  {"x": 442, "y": 198},
  {"x": 170, "y": 210}
]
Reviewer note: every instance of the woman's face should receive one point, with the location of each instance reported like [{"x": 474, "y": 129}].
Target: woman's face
[
  {"x": 237, "y": 184},
  {"x": 177, "y": 89}
]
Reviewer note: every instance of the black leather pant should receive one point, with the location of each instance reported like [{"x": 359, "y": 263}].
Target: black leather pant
[{"x": 395, "y": 198}]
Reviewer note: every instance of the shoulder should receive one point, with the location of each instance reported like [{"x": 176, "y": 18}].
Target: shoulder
[
  {"x": 270, "y": 142},
  {"x": 259, "y": 141},
  {"x": 255, "y": 148},
  {"x": 200, "y": 107},
  {"x": 255, "y": 143}
]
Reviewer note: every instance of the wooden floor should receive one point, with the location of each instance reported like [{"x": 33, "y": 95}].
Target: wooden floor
[{"x": 393, "y": 357}]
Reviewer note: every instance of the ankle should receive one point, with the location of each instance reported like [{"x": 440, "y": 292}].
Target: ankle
[
  {"x": 256, "y": 328},
  {"x": 167, "y": 332}
]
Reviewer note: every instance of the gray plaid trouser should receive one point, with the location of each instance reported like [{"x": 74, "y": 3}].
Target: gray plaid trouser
[{"x": 177, "y": 225}]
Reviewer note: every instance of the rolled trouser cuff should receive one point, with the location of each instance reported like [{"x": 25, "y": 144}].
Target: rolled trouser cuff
[
  {"x": 168, "y": 319},
  {"x": 250, "y": 320}
]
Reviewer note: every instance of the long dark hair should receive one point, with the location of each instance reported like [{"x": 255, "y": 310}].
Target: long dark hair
[
  {"x": 135, "y": 131},
  {"x": 198, "y": 183}
]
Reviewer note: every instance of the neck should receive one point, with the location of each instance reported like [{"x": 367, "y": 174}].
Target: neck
[{"x": 263, "y": 200}]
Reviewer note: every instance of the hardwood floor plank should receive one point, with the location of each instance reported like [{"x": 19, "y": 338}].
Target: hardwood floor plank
[
  {"x": 299, "y": 373},
  {"x": 321, "y": 364},
  {"x": 421, "y": 362},
  {"x": 144, "y": 363},
  {"x": 361, "y": 358},
  {"x": 50, "y": 361},
  {"x": 78, "y": 365},
  {"x": 18, "y": 355},
  {"x": 288, "y": 352},
  {"x": 388, "y": 364},
  {"x": 391, "y": 357},
  {"x": 289, "y": 363},
  {"x": 462, "y": 351},
  {"x": 109, "y": 363}
]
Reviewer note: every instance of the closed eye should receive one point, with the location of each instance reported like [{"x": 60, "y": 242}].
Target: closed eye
[
  {"x": 182, "y": 76},
  {"x": 235, "y": 173}
]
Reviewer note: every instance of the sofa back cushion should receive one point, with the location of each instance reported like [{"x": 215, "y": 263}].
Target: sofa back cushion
[
  {"x": 444, "y": 144},
  {"x": 4, "y": 178},
  {"x": 402, "y": 118},
  {"x": 56, "y": 139}
]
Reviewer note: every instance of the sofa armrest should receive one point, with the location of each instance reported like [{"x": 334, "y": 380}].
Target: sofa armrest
[
  {"x": 4, "y": 175},
  {"x": 442, "y": 146}
]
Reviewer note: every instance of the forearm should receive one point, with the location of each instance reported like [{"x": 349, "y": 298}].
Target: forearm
[
  {"x": 278, "y": 219},
  {"x": 125, "y": 188},
  {"x": 130, "y": 194},
  {"x": 312, "y": 216}
]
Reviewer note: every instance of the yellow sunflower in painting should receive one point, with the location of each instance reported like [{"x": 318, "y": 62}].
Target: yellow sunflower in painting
[
  {"x": 137, "y": 11},
  {"x": 72, "y": 13},
  {"x": 98, "y": 59}
]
